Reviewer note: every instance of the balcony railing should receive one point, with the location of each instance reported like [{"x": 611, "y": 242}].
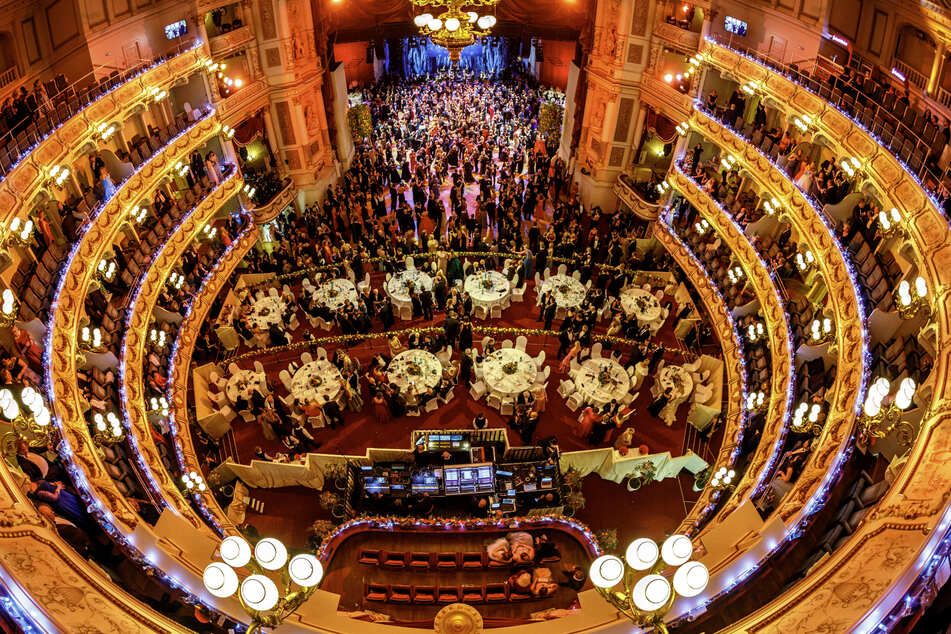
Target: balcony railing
[
  {"x": 682, "y": 38},
  {"x": 65, "y": 101},
  {"x": 914, "y": 77},
  {"x": 904, "y": 131},
  {"x": 226, "y": 42},
  {"x": 8, "y": 76}
]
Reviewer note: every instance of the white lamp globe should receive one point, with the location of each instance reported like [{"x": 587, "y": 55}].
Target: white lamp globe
[
  {"x": 452, "y": 24},
  {"x": 642, "y": 553},
  {"x": 921, "y": 286},
  {"x": 483, "y": 22},
  {"x": 691, "y": 579},
  {"x": 305, "y": 570},
  {"x": 651, "y": 593},
  {"x": 270, "y": 553},
  {"x": 235, "y": 551},
  {"x": 259, "y": 593},
  {"x": 606, "y": 571},
  {"x": 676, "y": 550},
  {"x": 435, "y": 24},
  {"x": 422, "y": 19},
  {"x": 473, "y": 16},
  {"x": 220, "y": 579},
  {"x": 490, "y": 19}
]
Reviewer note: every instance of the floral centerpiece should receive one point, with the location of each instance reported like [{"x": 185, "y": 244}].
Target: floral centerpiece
[
  {"x": 413, "y": 368},
  {"x": 643, "y": 302},
  {"x": 265, "y": 311},
  {"x": 332, "y": 291},
  {"x": 510, "y": 368},
  {"x": 564, "y": 289},
  {"x": 316, "y": 381},
  {"x": 604, "y": 377},
  {"x": 676, "y": 379},
  {"x": 486, "y": 283}
]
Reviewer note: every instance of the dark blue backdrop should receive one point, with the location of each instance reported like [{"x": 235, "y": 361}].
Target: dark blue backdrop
[{"x": 420, "y": 56}]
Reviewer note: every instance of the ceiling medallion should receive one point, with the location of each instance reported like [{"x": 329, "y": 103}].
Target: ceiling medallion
[
  {"x": 458, "y": 618},
  {"x": 458, "y": 26}
]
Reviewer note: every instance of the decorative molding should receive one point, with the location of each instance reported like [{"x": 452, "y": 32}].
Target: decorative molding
[
  {"x": 681, "y": 38},
  {"x": 223, "y": 44},
  {"x": 664, "y": 98},
  {"x": 134, "y": 354}
]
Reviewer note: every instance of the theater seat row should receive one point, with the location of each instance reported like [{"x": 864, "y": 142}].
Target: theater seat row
[
  {"x": 422, "y": 595},
  {"x": 434, "y": 560}
]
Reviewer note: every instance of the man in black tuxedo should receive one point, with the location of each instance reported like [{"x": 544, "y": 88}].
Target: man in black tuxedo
[
  {"x": 426, "y": 299},
  {"x": 451, "y": 327}
]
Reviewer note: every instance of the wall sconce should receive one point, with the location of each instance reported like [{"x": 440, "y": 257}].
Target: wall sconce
[
  {"x": 19, "y": 233},
  {"x": 755, "y": 401},
  {"x": 805, "y": 260},
  {"x": 772, "y": 207},
  {"x": 90, "y": 339},
  {"x": 851, "y": 166},
  {"x": 106, "y": 270},
  {"x": 728, "y": 162},
  {"x": 722, "y": 479},
  {"x": 683, "y": 128},
  {"x": 158, "y": 405},
  {"x": 193, "y": 482},
  {"x": 9, "y": 308},
  {"x": 644, "y": 595},
  {"x": 820, "y": 331},
  {"x": 702, "y": 226},
  {"x": 912, "y": 302},
  {"x": 750, "y": 87},
  {"x": 108, "y": 428},
  {"x": 803, "y": 123},
  {"x": 175, "y": 280},
  {"x": 139, "y": 214},
  {"x": 889, "y": 223},
  {"x": 227, "y": 131},
  {"x": 58, "y": 175},
  {"x": 250, "y": 191},
  {"x": 755, "y": 331},
  {"x": 106, "y": 130},
  {"x": 32, "y": 421},
  {"x": 696, "y": 60},
  {"x": 180, "y": 169},
  {"x": 878, "y": 420},
  {"x": 156, "y": 94},
  {"x": 735, "y": 274},
  {"x": 806, "y": 418},
  {"x": 157, "y": 337},
  {"x": 208, "y": 232},
  {"x": 211, "y": 66}
]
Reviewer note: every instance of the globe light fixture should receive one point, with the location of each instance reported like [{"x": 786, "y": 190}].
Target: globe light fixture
[
  {"x": 264, "y": 601},
  {"x": 642, "y": 589},
  {"x": 912, "y": 300},
  {"x": 454, "y": 29},
  {"x": 880, "y": 417}
]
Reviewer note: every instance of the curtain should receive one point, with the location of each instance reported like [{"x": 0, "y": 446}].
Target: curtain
[{"x": 249, "y": 130}]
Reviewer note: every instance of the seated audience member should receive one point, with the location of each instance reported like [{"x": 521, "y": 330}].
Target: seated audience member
[{"x": 499, "y": 550}]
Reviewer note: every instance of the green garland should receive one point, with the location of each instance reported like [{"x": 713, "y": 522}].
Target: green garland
[
  {"x": 549, "y": 119},
  {"x": 360, "y": 122}
]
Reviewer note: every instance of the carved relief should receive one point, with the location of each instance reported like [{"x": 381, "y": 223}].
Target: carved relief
[{"x": 268, "y": 24}]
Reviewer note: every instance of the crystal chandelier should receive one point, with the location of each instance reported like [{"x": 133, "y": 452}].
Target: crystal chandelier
[{"x": 457, "y": 26}]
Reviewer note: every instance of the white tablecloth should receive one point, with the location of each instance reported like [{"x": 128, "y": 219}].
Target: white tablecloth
[
  {"x": 601, "y": 381},
  {"x": 398, "y": 286},
  {"x": 335, "y": 294},
  {"x": 316, "y": 381},
  {"x": 640, "y": 303},
  {"x": 244, "y": 383},
  {"x": 265, "y": 312},
  {"x": 414, "y": 370},
  {"x": 567, "y": 291},
  {"x": 487, "y": 289},
  {"x": 678, "y": 380},
  {"x": 509, "y": 380}
]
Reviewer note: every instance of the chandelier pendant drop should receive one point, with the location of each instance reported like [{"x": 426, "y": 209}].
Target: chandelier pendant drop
[{"x": 458, "y": 26}]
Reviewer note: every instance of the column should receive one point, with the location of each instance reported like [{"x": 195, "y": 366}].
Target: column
[{"x": 936, "y": 68}]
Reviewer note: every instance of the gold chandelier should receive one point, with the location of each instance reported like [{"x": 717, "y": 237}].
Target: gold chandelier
[{"x": 457, "y": 26}]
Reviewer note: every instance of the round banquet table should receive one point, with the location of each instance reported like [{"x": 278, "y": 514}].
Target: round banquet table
[
  {"x": 640, "y": 303},
  {"x": 244, "y": 383},
  {"x": 317, "y": 381},
  {"x": 397, "y": 287},
  {"x": 567, "y": 291},
  {"x": 508, "y": 372},
  {"x": 677, "y": 380},
  {"x": 413, "y": 371},
  {"x": 601, "y": 381},
  {"x": 335, "y": 294},
  {"x": 487, "y": 289},
  {"x": 265, "y": 312}
]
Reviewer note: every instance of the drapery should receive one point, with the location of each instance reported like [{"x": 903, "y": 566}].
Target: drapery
[
  {"x": 421, "y": 57},
  {"x": 249, "y": 130}
]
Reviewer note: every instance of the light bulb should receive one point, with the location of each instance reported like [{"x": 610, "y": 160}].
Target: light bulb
[
  {"x": 220, "y": 579},
  {"x": 235, "y": 551},
  {"x": 473, "y": 16},
  {"x": 423, "y": 19},
  {"x": 606, "y": 571},
  {"x": 452, "y": 24},
  {"x": 305, "y": 570},
  {"x": 691, "y": 579},
  {"x": 259, "y": 593},
  {"x": 676, "y": 550},
  {"x": 642, "y": 553},
  {"x": 270, "y": 553},
  {"x": 921, "y": 286},
  {"x": 651, "y": 592},
  {"x": 435, "y": 24}
]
